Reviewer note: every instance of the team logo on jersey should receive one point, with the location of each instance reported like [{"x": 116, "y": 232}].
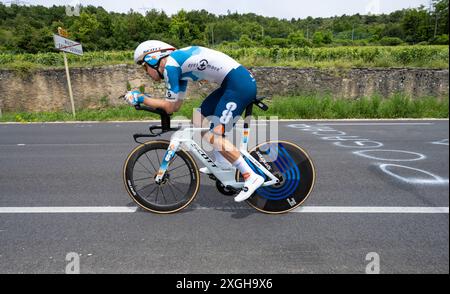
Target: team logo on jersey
[
  {"x": 169, "y": 95},
  {"x": 227, "y": 114},
  {"x": 203, "y": 64}
]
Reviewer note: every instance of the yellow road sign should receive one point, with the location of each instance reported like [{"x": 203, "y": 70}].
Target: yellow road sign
[{"x": 62, "y": 32}]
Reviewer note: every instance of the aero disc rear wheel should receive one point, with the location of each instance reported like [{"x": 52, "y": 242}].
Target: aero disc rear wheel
[
  {"x": 295, "y": 170},
  {"x": 178, "y": 187}
]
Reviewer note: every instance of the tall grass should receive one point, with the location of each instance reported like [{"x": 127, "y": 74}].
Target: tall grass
[
  {"x": 293, "y": 107},
  {"x": 326, "y": 107}
]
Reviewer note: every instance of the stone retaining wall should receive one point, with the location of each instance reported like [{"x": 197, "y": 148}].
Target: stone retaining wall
[{"x": 46, "y": 90}]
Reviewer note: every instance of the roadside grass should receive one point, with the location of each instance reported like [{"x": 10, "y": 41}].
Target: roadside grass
[
  {"x": 327, "y": 107},
  {"x": 292, "y": 107}
]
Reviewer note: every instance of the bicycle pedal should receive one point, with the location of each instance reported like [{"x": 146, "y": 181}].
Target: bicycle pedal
[
  {"x": 233, "y": 189},
  {"x": 227, "y": 191}
]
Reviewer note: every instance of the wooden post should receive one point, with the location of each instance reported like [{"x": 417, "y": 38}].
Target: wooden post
[{"x": 66, "y": 64}]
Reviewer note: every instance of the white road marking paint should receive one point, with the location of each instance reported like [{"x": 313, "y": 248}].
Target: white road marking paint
[
  {"x": 70, "y": 209},
  {"x": 442, "y": 142},
  {"x": 369, "y": 209},
  {"x": 324, "y": 132},
  {"x": 375, "y": 124},
  {"x": 343, "y": 138},
  {"x": 304, "y": 209},
  {"x": 417, "y": 156},
  {"x": 336, "y": 133},
  {"x": 360, "y": 144},
  {"x": 431, "y": 180}
]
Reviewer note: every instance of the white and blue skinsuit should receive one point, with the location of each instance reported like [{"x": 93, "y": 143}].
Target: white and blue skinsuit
[{"x": 237, "y": 86}]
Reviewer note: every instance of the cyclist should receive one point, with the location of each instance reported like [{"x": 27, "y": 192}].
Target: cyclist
[{"x": 222, "y": 107}]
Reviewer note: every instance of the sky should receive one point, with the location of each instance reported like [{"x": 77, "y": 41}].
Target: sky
[{"x": 277, "y": 8}]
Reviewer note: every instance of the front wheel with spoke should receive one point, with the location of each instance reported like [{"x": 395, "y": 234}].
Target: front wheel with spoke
[{"x": 177, "y": 189}]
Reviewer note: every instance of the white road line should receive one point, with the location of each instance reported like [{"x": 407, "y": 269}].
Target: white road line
[
  {"x": 369, "y": 209},
  {"x": 305, "y": 209},
  {"x": 375, "y": 124},
  {"x": 70, "y": 209},
  {"x": 65, "y": 144}
]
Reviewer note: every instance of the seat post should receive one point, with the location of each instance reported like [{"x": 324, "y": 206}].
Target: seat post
[
  {"x": 247, "y": 121},
  {"x": 247, "y": 115},
  {"x": 165, "y": 121}
]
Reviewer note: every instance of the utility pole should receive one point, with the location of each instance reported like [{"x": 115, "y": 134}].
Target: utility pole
[
  {"x": 431, "y": 11},
  {"x": 436, "y": 25},
  {"x": 436, "y": 22},
  {"x": 212, "y": 34},
  {"x": 353, "y": 33}
]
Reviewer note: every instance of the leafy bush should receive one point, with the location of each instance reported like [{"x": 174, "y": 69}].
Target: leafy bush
[
  {"x": 440, "y": 40},
  {"x": 391, "y": 41}
]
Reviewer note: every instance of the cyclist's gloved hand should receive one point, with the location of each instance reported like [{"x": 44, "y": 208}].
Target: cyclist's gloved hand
[{"x": 134, "y": 97}]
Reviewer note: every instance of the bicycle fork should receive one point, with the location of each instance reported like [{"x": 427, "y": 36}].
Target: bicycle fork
[{"x": 168, "y": 156}]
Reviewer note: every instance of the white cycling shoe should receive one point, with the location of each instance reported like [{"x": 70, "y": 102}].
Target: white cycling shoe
[{"x": 251, "y": 184}]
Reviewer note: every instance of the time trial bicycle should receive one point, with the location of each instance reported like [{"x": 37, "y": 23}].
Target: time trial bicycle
[{"x": 162, "y": 176}]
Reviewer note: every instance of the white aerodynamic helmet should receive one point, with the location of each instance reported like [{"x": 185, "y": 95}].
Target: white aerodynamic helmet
[{"x": 151, "y": 52}]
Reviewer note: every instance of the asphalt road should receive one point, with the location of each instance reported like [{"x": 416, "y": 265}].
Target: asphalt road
[{"x": 382, "y": 190}]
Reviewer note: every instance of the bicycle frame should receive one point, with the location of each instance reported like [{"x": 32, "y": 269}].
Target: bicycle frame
[{"x": 228, "y": 177}]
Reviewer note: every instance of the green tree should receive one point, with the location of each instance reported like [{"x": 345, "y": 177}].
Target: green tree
[
  {"x": 318, "y": 38},
  {"x": 84, "y": 30},
  {"x": 391, "y": 41},
  {"x": 416, "y": 25},
  {"x": 29, "y": 28},
  {"x": 245, "y": 41},
  {"x": 179, "y": 27},
  {"x": 393, "y": 30},
  {"x": 120, "y": 38},
  {"x": 297, "y": 39},
  {"x": 440, "y": 17},
  {"x": 327, "y": 37}
]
